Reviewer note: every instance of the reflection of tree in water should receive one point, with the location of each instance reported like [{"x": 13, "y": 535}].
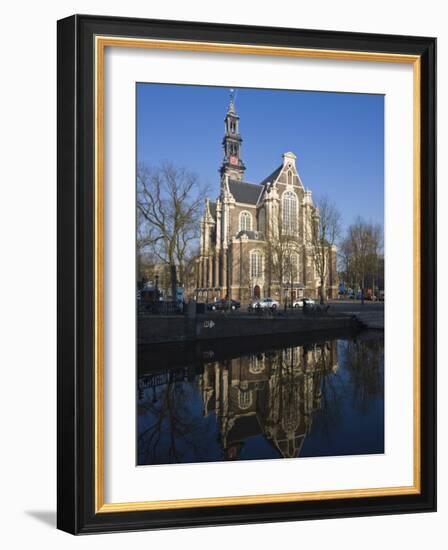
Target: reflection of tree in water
[
  {"x": 170, "y": 431},
  {"x": 364, "y": 361},
  {"x": 330, "y": 391},
  {"x": 357, "y": 385}
]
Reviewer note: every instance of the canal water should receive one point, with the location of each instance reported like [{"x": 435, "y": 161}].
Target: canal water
[{"x": 261, "y": 399}]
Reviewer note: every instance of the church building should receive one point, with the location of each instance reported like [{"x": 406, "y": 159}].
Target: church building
[{"x": 257, "y": 238}]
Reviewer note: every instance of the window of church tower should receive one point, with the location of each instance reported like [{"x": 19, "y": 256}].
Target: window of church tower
[
  {"x": 245, "y": 221},
  {"x": 289, "y": 177},
  {"x": 256, "y": 263},
  {"x": 289, "y": 212}
]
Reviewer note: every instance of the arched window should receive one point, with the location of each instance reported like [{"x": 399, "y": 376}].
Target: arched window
[
  {"x": 256, "y": 263},
  {"x": 289, "y": 177},
  {"x": 245, "y": 221},
  {"x": 289, "y": 212},
  {"x": 244, "y": 399},
  {"x": 256, "y": 364}
]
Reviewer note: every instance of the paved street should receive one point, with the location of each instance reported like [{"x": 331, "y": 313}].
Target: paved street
[
  {"x": 336, "y": 306},
  {"x": 355, "y": 306},
  {"x": 370, "y": 314}
]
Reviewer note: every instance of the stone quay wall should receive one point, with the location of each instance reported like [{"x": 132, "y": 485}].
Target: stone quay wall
[{"x": 179, "y": 328}]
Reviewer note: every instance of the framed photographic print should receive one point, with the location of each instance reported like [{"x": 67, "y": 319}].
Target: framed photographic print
[{"x": 246, "y": 274}]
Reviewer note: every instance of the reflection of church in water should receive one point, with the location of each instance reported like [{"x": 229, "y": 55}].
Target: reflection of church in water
[{"x": 271, "y": 393}]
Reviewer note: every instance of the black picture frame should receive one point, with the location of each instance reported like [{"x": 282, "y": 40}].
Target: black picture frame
[{"x": 76, "y": 256}]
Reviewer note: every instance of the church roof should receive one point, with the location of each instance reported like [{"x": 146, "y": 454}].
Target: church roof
[
  {"x": 247, "y": 193},
  {"x": 272, "y": 177}
]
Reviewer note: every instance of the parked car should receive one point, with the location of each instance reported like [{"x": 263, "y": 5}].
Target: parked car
[
  {"x": 224, "y": 305},
  {"x": 301, "y": 301},
  {"x": 264, "y": 303}
]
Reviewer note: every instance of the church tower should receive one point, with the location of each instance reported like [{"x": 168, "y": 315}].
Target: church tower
[{"x": 232, "y": 165}]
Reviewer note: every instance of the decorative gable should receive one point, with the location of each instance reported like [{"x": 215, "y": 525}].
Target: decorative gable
[
  {"x": 285, "y": 174},
  {"x": 288, "y": 174}
]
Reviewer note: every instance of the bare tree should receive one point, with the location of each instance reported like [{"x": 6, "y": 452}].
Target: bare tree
[
  {"x": 282, "y": 257},
  {"x": 240, "y": 264},
  {"x": 376, "y": 263},
  {"x": 345, "y": 261},
  {"x": 362, "y": 247},
  {"x": 169, "y": 199},
  {"x": 145, "y": 258},
  {"x": 290, "y": 259},
  {"x": 326, "y": 228}
]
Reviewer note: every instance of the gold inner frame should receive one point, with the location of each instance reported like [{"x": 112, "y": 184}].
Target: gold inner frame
[{"x": 101, "y": 42}]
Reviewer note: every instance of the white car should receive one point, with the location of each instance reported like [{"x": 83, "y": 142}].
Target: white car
[
  {"x": 265, "y": 303},
  {"x": 301, "y": 301}
]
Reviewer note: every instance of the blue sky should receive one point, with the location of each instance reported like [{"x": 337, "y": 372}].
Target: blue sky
[{"x": 338, "y": 138}]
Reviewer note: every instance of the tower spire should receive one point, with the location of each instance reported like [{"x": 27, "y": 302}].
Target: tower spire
[
  {"x": 232, "y": 101},
  {"x": 232, "y": 164}
]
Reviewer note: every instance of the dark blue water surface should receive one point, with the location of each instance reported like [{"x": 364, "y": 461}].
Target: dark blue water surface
[{"x": 280, "y": 398}]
